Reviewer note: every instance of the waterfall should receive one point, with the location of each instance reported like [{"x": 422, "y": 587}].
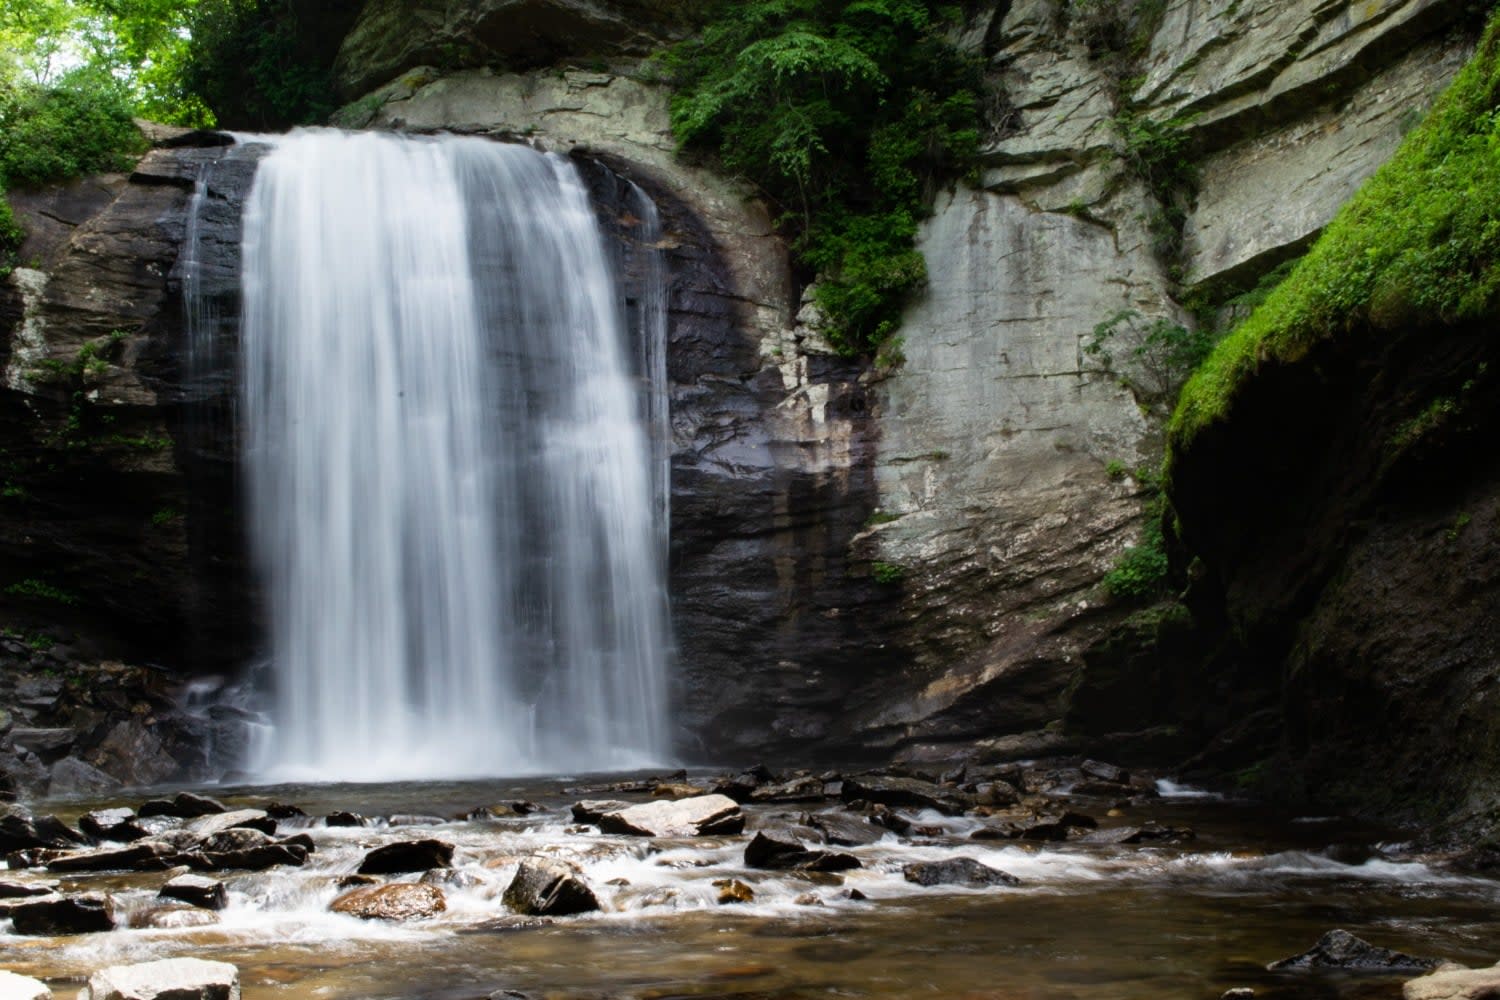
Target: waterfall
[{"x": 453, "y": 491}]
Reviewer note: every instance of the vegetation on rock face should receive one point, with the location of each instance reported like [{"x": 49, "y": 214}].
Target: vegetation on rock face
[
  {"x": 846, "y": 115},
  {"x": 1419, "y": 244}
]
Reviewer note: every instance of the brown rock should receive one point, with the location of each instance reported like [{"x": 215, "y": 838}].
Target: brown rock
[{"x": 396, "y": 901}]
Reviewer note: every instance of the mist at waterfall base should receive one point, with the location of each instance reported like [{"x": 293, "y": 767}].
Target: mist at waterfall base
[{"x": 455, "y": 463}]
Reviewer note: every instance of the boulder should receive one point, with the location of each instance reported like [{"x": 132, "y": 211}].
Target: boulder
[
  {"x": 48, "y": 744},
  {"x": 767, "y": 852},
  {"x": 12, "y": 889},
  {"x": 545, "y": 888},
  {"x": 20, "y": 831},
  {"x": 844, "y": 830},
  {"x": 14, "y": 987},
  {"x": 956, "y": 871},
  {"x": 112, "y": 824},
  {"x": 696, "y": 817},
  {"x": 1338, "y": 949},
  {"x": 1455, "y": 984},
  {"x": 71, "y": 777},
  {"x": 407, "y": 856},
  {"x": 396, "y": 901},
  {"x": 246, "y": 849},
  {"x": 168, "y": 979},
  {"x": 1105, "y": 772},
  {"x": 184, "y": 805},
  {"x": 249, "y": 819},
  {"x": 143, "y": 855},
  {"x": 197, "y": 890},
  {"x": 732, "y": 890},
  {"x": 590, "y": 810},
  {"x": 344, "y": 818},
  {"x": 175, "y": 916},
  {"x": 797, "y": 790},
  {"x": 914, "y": 793},
  {"x": 64, "y": 915}
]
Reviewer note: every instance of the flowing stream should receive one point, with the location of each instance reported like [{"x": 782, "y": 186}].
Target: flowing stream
[
  {"x": 1089, "y": 921},
  {"x": 455, "y": 501}
]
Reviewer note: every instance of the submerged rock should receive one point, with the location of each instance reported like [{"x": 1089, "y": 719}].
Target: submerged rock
[
  {"x": 407, "y": 856},
  {"x": 695, "y": 817},
  {"x": 1338, "y": 949},
  {"x": 396, "y": 901},
  {"x": 545, "y": 888},
  {"x": 14, "y": 987},
  {"x": 197, "y": 890},
  {"x": 173, "y": 917},
  {"x": 64, "y": 915},
  {"x": 956, "y": 871},
  {"x": 168, "y": 979}
]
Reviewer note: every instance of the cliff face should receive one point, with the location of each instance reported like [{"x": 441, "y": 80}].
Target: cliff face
[{"x": 904, "y": 559}]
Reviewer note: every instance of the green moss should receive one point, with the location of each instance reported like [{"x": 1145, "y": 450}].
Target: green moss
[
  {"x": 887, "y": 573},
  {"x": 40, "y": 590},
  {"x": 1419, "y": 243}
]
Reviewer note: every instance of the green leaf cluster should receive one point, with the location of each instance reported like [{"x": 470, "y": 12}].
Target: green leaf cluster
[
  {"x": 1419, "y": 245},
  {"x": 1141, "y": 571},
  {"x": 846, "y": 115},
  {"x": 253, "y": 63}
]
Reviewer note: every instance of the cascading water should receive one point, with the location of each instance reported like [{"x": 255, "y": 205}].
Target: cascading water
[{"x": 450, "y": 484}]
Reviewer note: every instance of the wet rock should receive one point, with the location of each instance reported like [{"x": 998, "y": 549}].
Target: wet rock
[
  {"x": 732, "y": 890},
  {"x": 855, "y": 895},
  {"x": 1167, "y": 834},
  {"x": 396, "y": 901},
  {"x": 1238, "y": 993},
  {"x": 808, "y": 899},
  {"x": 184, "y": 805},
  {"x": 956, "y": 871},
  {"x": 544, "y": 888},
  {"x": 168, "y": 979},
  {"x": 1338, "y": 949},
  {"x": 343, "y": 818},
  {"x": 197, "y": 890},
  {"x": 887, "y": 817},
  {"x": 796, "y": 790},
  {"x": 1455, "y": 984},
  {"x": 246, "y": 850},
  {"x": 451, "y": 878},
  {"x": 14, "y": 987},
  {"x": 112, "y": 824},
  {"x": 1105, "y": 772},
  {"x": 1113, "y": 835},
  {"x": 281, "y": 810},
  {"x": 49, "y": 744},
  {"x": 174, "y": 917},
  {"x": 20, "y": 831},
  {"x": 1054, "y": 827},
  {"x": 156, "y": 826},
  {"x": 1005, "y": 831},
  {"x": 13, "y": 889},
  {"x": 407, "y": 856},
  {"x": 355, "y": 881},
  {"x": 704, "y": 815},
  {"x": 71, "y": 777},
  {"x": 409, "y": 819},
  {"x": 590, "y": 810},
  {"x": 767, "y": 852},
  {"x": 143, "y": 855},
  {"x": 844, "y": 830},
  {"x": 996, "y": 794},
  {"x": 893, "y": 790},
  {"x": 248, "y": 819},
  {"x": 64, "y": 915},
  {"x": 677, "y": 790}
]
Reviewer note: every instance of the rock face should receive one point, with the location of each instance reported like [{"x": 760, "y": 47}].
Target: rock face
[{"x": 875, "y": 560}]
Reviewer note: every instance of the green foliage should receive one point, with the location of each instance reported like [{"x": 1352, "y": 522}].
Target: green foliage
[
  {"x": 40, "y": 590},
  {"x": 1418, "y": 245},
  {"x": 36, "y": 641},
  {"x": 1157, "y": 357},
  {"x": 1116, "y": 30},
  {"x": 80, "y": 126},
  {"x": 887, "y": 573},
  {"x": 252, "y": 62},
  {"x": 1140, "y": 573},
  {"x": 846, "y": 114}
]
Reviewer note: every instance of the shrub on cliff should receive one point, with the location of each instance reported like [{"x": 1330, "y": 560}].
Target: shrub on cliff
[
  {"x": 846, "y": 115},
  {"x": 1419, "y": 243}
]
